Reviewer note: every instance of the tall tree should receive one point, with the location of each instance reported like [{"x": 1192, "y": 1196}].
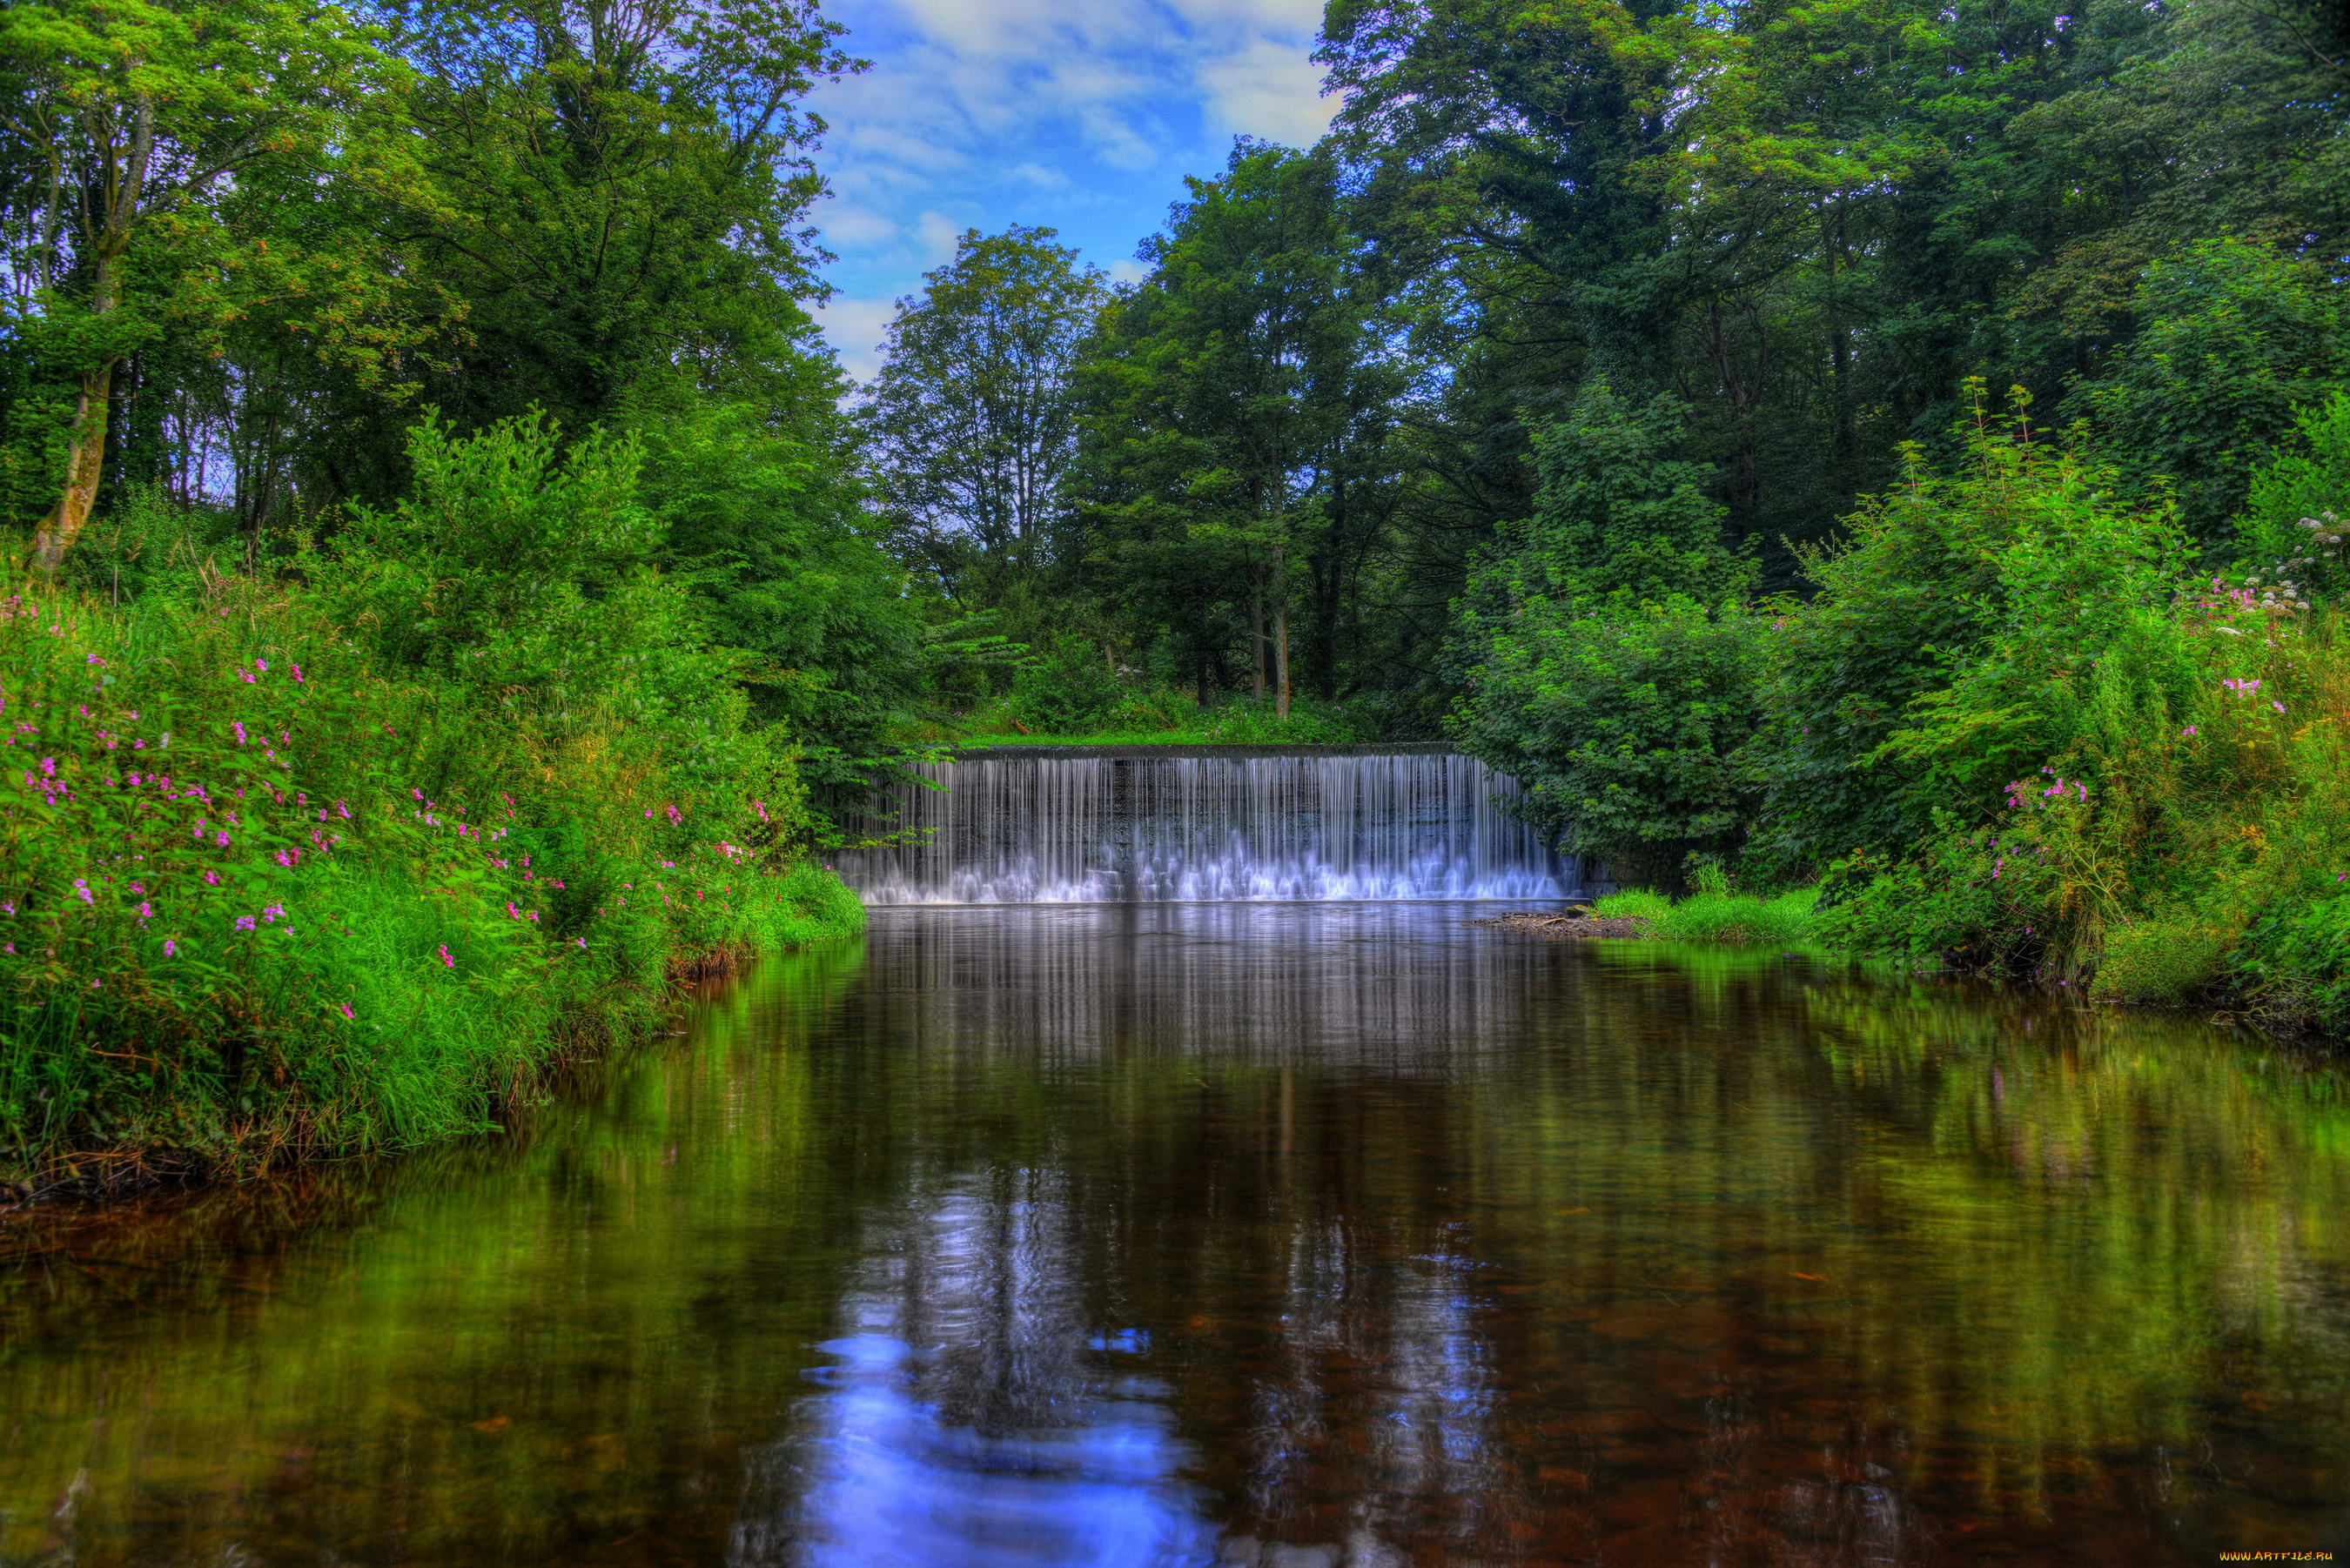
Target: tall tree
[
  {"x": 166, "y": 169},
  {"x": 1227, "y": 393},
  {"x": 973, "y": 422},
  {"x": 625, "y": 187}
]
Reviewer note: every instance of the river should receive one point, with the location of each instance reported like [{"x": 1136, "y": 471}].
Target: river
[{"x": 1293, "y": 1236}]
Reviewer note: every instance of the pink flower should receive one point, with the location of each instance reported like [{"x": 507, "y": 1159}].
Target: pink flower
[
  {"x": 244, "y": 922},
  {"x": 445, "y": 958},
  {"x": 2278, "y": 706},
  {"x": 170, "y": 947},
  {"x": 81, "y": 889},
  {"x": 347, "y": 1010}
]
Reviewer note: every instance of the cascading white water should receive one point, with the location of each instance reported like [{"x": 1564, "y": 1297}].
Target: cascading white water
[{"x": 1051, "y": 826}]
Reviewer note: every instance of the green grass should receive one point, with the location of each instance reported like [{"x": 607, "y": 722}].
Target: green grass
[
  {"x": 260, "y": 899},
  {"x": 1784, "y": 918}
]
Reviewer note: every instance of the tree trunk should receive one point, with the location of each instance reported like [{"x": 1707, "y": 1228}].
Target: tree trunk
[
  {"x": 1256, "y": 643},
  {"x": 1280, "y": 638},
  {"x": 85, "y": 459}
]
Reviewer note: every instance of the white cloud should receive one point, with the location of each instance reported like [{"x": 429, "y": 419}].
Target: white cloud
[
  {"x": 938, "y": 233},
  {"x": 1078, "y": 115},
  {"x": 1126, "y": 269},
  {"x": 1268, "y": 90},
  {"x": 849, "y": 226},
  {"x": 856, "y": 329}
]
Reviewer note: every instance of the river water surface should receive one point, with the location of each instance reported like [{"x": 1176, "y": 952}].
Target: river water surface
[{"x": 1290, "y": 1236}]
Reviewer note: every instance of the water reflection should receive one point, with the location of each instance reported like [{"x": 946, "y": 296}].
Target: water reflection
[
  {"x": 971, "y": 1414},
  {"x": 1290, "y": 1237}
]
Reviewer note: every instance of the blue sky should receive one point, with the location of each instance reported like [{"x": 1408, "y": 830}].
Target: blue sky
[{"x": 1077, "y": 115}]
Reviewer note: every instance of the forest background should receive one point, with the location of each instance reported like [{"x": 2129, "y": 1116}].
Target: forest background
[{"x": 1885, "y": 444}]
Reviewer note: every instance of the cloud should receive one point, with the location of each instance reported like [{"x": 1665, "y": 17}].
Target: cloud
[
  {"x": 1081, "y": 116},
  {"x": 1126, "y": 269},
  {"x": 938, "y": 233},
  {"x": 1268, "y": 90},
  {"x": 857, "y": 329},
  {"x": 849, "y": 226}
]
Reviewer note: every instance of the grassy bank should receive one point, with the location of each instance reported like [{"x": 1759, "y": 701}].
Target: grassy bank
[
  {"x": 289, "y": 870},
  {"x": 1719, "y": 916}
]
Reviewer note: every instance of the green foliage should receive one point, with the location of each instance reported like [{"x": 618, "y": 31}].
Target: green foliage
[
  {"x": 784, "y": 569},
  {"x": 1633, "y": 904},
  {"x": 2237, "y": 340},
  {"x": 1620, "y": 518},
  {"x": 2162, "y": 962},
  {"x": 1952, "y": 644},
  {"x": 1726, "y": 916},
  {"x": 2299, "y": 507},
  {"x": 1617, "y": 697},
  {"x": 1624, "y": 728},
  {"x": 1235, "y": 406},
  {"x": 1066, "y": 686},
  {"x": 2294, "y": 961},
  {"x": 340, "y": 867},
  {"x": 1716, "y": 914},
  {"x": 973, "y": 422}
]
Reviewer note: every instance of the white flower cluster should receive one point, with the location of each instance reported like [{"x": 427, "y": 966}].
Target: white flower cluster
[
  {"x": 2281, "y": 597},
  {"x": 2325, "y": 534}
]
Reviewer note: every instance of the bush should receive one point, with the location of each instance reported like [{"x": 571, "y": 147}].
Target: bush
[
  {"x": 2294, "y": 961},
  {"x": 1952, "y": 644},
  {"x": 2297, "y": 526},
  {"x": 1624, "y": 728},
  {"x": 340, "y": 867},
  {"x": 2237, "y": 339},
  {"x": 1066, "y": 686},
  {"x": 2162, "y": 963}
]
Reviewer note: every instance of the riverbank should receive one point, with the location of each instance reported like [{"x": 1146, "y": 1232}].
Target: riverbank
[
  {"x": 348, "y": 860},
  {"x": 267, "y": 896}
]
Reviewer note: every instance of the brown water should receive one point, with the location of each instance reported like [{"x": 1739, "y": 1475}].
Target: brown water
[{"x": 1288, "y": 1236}]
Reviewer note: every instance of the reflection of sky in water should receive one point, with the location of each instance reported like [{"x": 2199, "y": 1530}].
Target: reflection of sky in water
[
  {"x": 972, "y": 1417},
  {"x": 893, "y": 1484}
]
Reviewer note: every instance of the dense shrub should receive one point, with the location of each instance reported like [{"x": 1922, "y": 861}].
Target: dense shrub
[{"x": 1610, "y": 665}]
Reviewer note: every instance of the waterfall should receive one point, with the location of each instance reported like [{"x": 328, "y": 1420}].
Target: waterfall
[{"x": 1196, "y": 823}]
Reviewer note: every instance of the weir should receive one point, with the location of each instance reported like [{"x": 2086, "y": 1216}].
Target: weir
[{"x": 1075, "y": 825}]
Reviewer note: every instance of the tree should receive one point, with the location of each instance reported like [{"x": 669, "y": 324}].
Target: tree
[
  {"x": 1227, "y": 393},
  {"x": 164, "y": 163},
  {"x": 2236, "y": 340},
  {"x": 623, "y": 186},
  {"x": 973, "y": 422}
]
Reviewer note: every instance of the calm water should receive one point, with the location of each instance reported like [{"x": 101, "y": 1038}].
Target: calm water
[{"x": 1292, "y": 1237}]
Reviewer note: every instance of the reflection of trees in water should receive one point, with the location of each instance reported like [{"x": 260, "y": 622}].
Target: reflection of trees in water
[
  {"x": 1367, "y": 984},
  {"x": 1500, "y": 1250},
  {"x": 977, "y": 1413}
]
